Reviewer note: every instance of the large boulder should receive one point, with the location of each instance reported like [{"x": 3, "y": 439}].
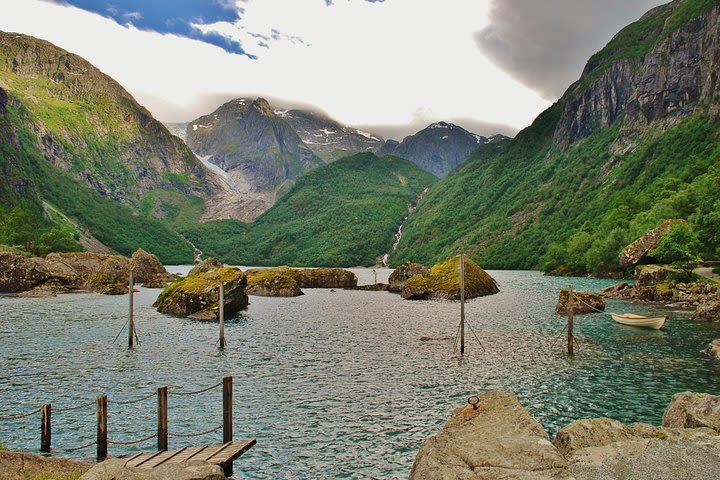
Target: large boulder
[
  {"x": 148, "y": 270},
  {"x": 444, "y": 280},
  {"x": 637, "y": 252},
  {"x": 495, "y": 438},
  {"x": 692, "y": 410},
  {"x": 404, "y": 273},
  {"x": 583, "y": 302},
  {"x": 272, "y": 282},
  {"x": 19, "y": 273},
  {"x": 115, "y": 469},
  {"x": 713, "y": 350},
  {"x": 416, "y": 288},
  {"x": 708, "y": 311},
  {"x": 112, "y": 278},
  {"x": 325, "y": 278},
  {"x": 206, "y": 265},
  {"x": 23, "y": 466},
  {"x": 601, "y": 448},
  {"x": 646, "y": 275},
  {"x": 197, "y": 296}
]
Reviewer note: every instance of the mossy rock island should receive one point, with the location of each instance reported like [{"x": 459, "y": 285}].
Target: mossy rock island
[
  {"x": 273, "y": 282},
  {"x": 444, "y": 280},
  {"x": 405, "y": 272},
  {"x": 197, "y": 296},
  {"x": 325, "y": 278}
]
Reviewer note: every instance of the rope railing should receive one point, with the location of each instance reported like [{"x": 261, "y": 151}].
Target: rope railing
[
  {"x": 188, "y": 435},
  {"x": 196, "y": 392},
  {"x": 132, "y": 442},
  {"x": 79, "y": 447},
  {"x": 19, "y": 416},
  {"x": 47, "y": 412}
]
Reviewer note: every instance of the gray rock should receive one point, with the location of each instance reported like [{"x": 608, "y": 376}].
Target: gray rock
[
  {"x": 498, "y": 439},
  {"x": 691, "y": 410},
  {"x": 713, "y": 350},
  {"x": 115, "y": 469},
  {"x": 206, "y": 265},
  {"x": 21, "y": 466},
  {"x": 638, "y": 250},
  {"x": 583, "y": 302},
  {"x": 405, "y": 272}
]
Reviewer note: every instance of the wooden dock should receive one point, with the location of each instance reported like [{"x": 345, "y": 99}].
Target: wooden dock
[{"x": 222, "y": 455}]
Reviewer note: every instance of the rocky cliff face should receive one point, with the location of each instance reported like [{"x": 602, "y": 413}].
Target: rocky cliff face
[
  {"x": 87, "y": 124},
  {"x": 327, "y": 138},
  {"x": 672, "y": 74},
  {"x": 261, "y": 152},
  {"x": 439, "y": 148}
]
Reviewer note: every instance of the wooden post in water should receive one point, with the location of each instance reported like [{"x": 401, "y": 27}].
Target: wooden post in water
[
  {"x": 462, "y": 303},
  {"x": 162, "y": 419},
  {"x": 102, "y": 431},
  {"x": 570, "y": 337},
  {"x": 131, "y": 324},
  {"x": 45, "y": 427},
  {"x": 228, "y": 419},
  {"x": 221, "y": 307}
]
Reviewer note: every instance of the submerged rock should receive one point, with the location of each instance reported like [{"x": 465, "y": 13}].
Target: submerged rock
[
  {"x": 206, "y": 265},
  {"x": 375, "y": 287},
  {"x": 444, "y": 280},
  {"x": 273, "y": 282},
  {"x": 692, "y": 410},
  {"x": 116, "y": 469},
  {"x": 197, "y": 296},
  {"x": 405, "y": 272},
  {"x": 713, "y": 350},
  {"x": 637, "y": 251},
  {"x": 497, "y": 439},
  {"x": 148, "y": 270},
  {"x": 416, "y": 288},
  {"x": 583, "y": 302}
]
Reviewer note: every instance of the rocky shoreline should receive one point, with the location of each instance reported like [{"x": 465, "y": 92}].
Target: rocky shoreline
[{"x": 495, "y": 437}]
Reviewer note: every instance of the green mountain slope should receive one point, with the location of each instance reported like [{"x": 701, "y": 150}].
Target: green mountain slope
[
  {"x": 341, "y": 214},
  {"x": 634, "y": 141},
  {"x": 75, "y": 139}
]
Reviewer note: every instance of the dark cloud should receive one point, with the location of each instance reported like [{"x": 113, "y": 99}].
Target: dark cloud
[{"x": 545, "y": 43}]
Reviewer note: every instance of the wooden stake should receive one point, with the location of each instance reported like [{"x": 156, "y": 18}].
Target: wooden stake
[
  {"x": 162, "y": 418},
  {"x": 102, "y": 432},
  {"x": 570, "y": 337},
  {"x": 227, "y": 419},
  {"x": 45, "y": 427},
  {"x": 221, "y": 306},
  {"x": 462, "y": 303},
  {"x": 131, "y": 326}
]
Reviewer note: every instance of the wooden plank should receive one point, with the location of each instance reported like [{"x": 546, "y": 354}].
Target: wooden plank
[
  {"x": 187, "y": 454},
  {"x": 163, "y": 458},
  {"x": 137, "y": 459},
  {"x": 218, "y": 450},
  {"x": 150, "y": 457},
  {"x": 129, "y": 459},
  {"x": 233, "y": 452}
]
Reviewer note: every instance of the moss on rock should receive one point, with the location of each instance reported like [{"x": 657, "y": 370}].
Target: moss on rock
[
  {"x": 197, "y": 296},
  {"x": 273, "y": 282},
  {"x": 444, "y": 280},
  {"x": 416, "y": 288}
]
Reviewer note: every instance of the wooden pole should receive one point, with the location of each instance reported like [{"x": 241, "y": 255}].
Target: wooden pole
[
  {"x": 227, "y": 419},
  {"x": 131, "y": 327},
  {"x": 462, "y": 303},
  {"x": 570, "y": 337},
  {"x": 162, "y": 418},
  {"x": 221, "y": 306},
  {"x": 102, "y": 432},
  {"x": 45, "y": 427}
]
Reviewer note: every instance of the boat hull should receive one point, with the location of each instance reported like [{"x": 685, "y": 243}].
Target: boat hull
[{"x": 640, "y": 321}]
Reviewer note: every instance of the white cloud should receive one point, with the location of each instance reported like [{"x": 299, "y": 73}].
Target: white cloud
[{"x": 363, "y": 63}]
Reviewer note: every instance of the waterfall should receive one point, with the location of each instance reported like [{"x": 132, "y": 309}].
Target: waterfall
[{"x": 398, "y": 235}]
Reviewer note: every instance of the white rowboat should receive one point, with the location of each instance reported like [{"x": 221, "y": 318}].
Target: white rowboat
[{"x": 639, "y": 321}]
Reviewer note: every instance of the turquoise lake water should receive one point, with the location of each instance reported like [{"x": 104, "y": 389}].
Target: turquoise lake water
[{"x": 338, "y": 384}]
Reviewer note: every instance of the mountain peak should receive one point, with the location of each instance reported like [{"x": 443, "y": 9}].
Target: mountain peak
[{"x": 262, "y": 106}]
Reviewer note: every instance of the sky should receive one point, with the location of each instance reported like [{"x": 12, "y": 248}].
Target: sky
[{"x": 388, "y": 66}]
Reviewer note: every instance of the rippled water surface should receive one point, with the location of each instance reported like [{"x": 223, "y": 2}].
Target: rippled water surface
[{"x": 337, "y": 384}]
